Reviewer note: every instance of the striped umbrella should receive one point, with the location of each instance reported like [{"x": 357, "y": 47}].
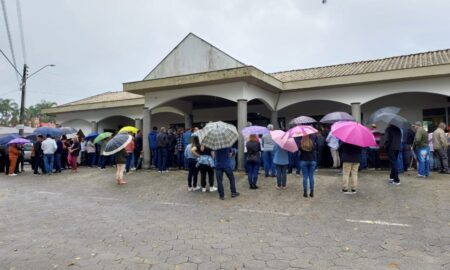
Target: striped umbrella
[
  {"x": 300, "y": 131},
  {"x": 218, "y": 135},
  {"x": 301, "y": 120}
]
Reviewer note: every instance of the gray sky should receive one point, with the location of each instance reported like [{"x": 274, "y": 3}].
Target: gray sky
[{"x": 97, "y": 45}]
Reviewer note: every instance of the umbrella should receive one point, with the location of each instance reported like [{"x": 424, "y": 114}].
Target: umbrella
[
  {"x": 338, "y": 124},
  {"x": 44, "y": 131},
  {"x": 7, "y": 138},
  {"x": 300, "y": 131},
  {"x": 19, "y": 141},
  {"x": 301, "y": 120},
  {"x": 282, "y": 140},
  {"x": 91, "y": 135},
  {"x": 354, "y": 133},
  {"x": 392, "y": 119},
  {"x": 67, "y": 130},
  {"x": 335, "y": 117},
  {"x": 129, "y": 129},
  {"x": 102, "y": 136},
  {"x": 257, "y": 130},
  {"x": 389, "y": 109},
  {"x": 218, "y": 135},
  {"x": 117, "y": 143}
]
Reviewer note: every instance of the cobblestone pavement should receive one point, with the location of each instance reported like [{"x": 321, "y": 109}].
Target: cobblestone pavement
[{"x": 86, "y": 221}]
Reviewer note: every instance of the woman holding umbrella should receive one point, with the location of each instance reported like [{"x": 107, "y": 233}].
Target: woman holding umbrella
[
  {"x": 253, "y": 160},
  {"x": 117, "y": 145},
  {"x": 13, "y": 156}
]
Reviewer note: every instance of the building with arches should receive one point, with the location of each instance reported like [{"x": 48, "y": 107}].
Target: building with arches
[{"x": 196, "y": 83}]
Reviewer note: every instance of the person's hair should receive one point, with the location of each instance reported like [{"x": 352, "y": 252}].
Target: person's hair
[
  {"x": 306, "y": 144},
  {"x": 194, "y": 141},
  {"x": 155, "y": 128},
  {"x": 163, "y": 129},
  {"x": 48, "y": 136},
  {"x": 253, "y": 137},
  {"x": 40, "y": 136},
  {"x": 270, "y": 127},
  {"x": 418, "y": 123},
  {"x": 442, "y": 125}
]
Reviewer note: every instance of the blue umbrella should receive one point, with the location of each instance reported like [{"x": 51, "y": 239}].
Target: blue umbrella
[
  {"x": 67, "y": 130},
  {"x": 91, "y": 135},
  {"x": 117, "y": 143},
  {"x": 54, "y": 132},
  {"x": 6, "y": 139}
]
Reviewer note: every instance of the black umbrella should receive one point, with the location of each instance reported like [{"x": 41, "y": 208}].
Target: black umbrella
[
  {"x": 67, "y": 130},
  {"x": 389, "y": 109},
  {"x": 117, "y": 143},
  {"x": 393, "y": 119}
]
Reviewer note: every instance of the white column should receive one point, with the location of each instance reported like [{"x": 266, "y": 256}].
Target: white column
[
  {"x": 356, "y": 111},
  {"x": 274, "y": 119},
  {"x": 242, "y": 122},
  {"x": 187, "y": 121},
  {"x": 138, "y": 122},
  {"x": 94, "y": 126},
  {"x": 145, "y": 143}
]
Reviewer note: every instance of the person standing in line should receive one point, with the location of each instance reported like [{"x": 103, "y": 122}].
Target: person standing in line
[
  {"x": 172, "y": 137},
  {"x": 58, "y": 153},
  {"x": 222, "y": 165},
  {"x": 393, "y": 144},
  {"x": 74, "y": 151},
  {"x": 281, "y": 162},
  {"x": 187, "y": 140},
  {"x": 130, "y": 156},
  {"x": 374, "y": 151},
  {"x": 333, "y": 143},
  {"x": 205, "y": 166},
  {"x": 308, "y": 164},
  {"x": 38, "y": 156},
  {"x": 351, "y": 158},
  {"x": 267, "y": 147},
  {"x": 83, "y": 154},
  {"x": 65, "y": 152},
  {"x": 138, "y": 150},
  {"x": 162, "y": 142},
  {"x": 13, "y": 156},
  {"x": 49, "y": 147},
  {"x": 422, "y": 150},
  {"x": 440, "y": 144},
  {"x": 90, "y": 149},
  {"x": 253, "y": 160},
  {"x": 180, "y": 149},
  {"x": 103, "y": 158},
  {"x": 153, "y": 147},
  {"x": 121, "y": 160},
  {"x": 191, "y": 157}
]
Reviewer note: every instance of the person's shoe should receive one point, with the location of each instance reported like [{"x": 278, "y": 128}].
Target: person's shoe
[
  {"x": 160, "y": 171},
  {"x": 273, "y": 176},
  {"x": 222, "y": 198},
  {"x": 277, "y": 187},
  {"x": 233, "y": 195},
  {"x": 311, "y": 194},
  {"x": 397, "y": 183},
  {"x": 203, "y": 189},
  {"x": 250, "y": 187},
  {"x": 391, "y": 181},
  {"x": 190, "y": 189},
  {"x": 212, "y": 189},
  {"x": 196, "y": 188},
  {"x": 166, "y": 171},
  {"x": 345, "y": 191},
  {"x": 305, "y": 194},
  {"x": 255, "y": 187},
  {"x": 421, "y": 175},
  {"x": 12, "y": 174},
  {"x": 353, "y": 191},
  {"x": 297, "y": 174},
  {"x": 283, "y": 187}
]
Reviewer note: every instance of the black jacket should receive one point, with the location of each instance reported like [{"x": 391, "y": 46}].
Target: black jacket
[
  {"x": 162, "y": 140},
  {"x": 253, "y": 151},
  {"x": 351, "y": 153},
  {"x": 393, "y": 137}
]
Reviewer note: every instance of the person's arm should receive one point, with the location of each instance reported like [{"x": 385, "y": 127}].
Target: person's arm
[
  {"x": 443, "y": 139},
  {"x": 194, "y": 151},
  {"x": 213, "y": 154}
]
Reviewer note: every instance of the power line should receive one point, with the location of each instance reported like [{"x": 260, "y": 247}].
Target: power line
[
  {"x": 22, "y": 35},
  {"x": 8, "y": 32}
]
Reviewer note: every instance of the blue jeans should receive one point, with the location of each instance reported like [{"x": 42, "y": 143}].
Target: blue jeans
[
  {"x": 423, "y": 158},
  {"x": 281, "y": 175},
  {"x": 192, "y": 173},
  {"x": 162, "y": 157},
  {"x": 230, "y": 175},
  {"x": 57, "y": 162},
  {"x": 130, "y": 162},
  {"x": 364, "y": 156},
  {"x": 180, "y": 159},
  {"x": 48, "y": 163},
  {"x": 253, "y": 167},
  {"x": 269, "y": 166},
  {"x": 308, "y": 168},
  {"x": 102, "y": 161},
  {"x": 154, "y": 157},
  {"x": 90, "y": 159},
  {"x": 294, "y": 162}
]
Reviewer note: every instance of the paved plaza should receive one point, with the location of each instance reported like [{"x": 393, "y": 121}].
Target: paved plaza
[{"x": 86, "y": 221}]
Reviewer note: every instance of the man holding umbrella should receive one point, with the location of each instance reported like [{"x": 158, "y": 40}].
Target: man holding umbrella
[
  {"x": 222, "y": 163},
  {"x": 393, "y": 144}
]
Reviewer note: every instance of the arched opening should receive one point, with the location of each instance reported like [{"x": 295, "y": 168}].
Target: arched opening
[
  {"x": 78, "y": 124},
  {"x": 414, "y": 106},
  {"x": 114, "y": 123},
  {"x": 313, "y": 108}
]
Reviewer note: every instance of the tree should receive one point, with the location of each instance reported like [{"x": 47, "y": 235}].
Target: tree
[
  {"x": 36, "y": 111},
  {"x": 9, "y": 112}
]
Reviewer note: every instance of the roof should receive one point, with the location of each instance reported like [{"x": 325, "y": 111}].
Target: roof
[
  {"x": 104, "y": 97},
  {"x": 417, "y": 60}
]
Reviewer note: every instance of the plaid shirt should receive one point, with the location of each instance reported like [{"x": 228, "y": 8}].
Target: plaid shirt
[{"x": 180, "y": 143}]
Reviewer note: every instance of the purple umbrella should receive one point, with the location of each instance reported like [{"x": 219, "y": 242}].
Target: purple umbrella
[
  {"x": 257, "y": 130},
  {"x": 302, "y": 120},
  {"x": 19, "y": 141},
  {"x": 336, "y": 117}
]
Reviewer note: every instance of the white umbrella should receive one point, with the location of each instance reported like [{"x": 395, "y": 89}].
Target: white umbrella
[{"x": 218, "y": 135}]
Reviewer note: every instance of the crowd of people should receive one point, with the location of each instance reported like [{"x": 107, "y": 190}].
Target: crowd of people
[{"x": 182, "y": 149}]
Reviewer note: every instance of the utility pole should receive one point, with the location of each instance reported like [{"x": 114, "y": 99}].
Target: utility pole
[{"x": 22, "y": 101}]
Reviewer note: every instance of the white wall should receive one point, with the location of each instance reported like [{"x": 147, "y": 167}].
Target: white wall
[
  {"x": 79, "y": 124},
  {"x": 132, "y": 112},
  {"x": 312, "y": 108}
]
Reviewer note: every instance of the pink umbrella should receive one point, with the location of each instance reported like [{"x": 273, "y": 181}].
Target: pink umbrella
[
  {"x": 282, "y": 139},
  {"x": 300, "y": 131},
  {"x": 354, "y": 133},
  {"x": 339, "y": 124}
]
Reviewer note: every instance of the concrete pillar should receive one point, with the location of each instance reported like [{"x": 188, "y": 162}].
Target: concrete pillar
[
  {"x": 138, "y": 122},
  {"x": 187, "y": 121},
  {"x": 274, "y": 119},
  {"x": 94, "y": 126},
  {"x": 241, "y": 122},
  {"x": 356, "y": 111},
  {"x": 146, "y": 128}
]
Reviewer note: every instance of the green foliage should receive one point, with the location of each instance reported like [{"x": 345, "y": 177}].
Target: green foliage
[{"x": 9, "y": 112}]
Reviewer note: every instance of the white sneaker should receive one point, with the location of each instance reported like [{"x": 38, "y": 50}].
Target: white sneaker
[
  {"x": 197, "y": 188},
  {"x": 203, "y": 189},
  {"x": 166, "y": 171},
  {"x": 190, "y": 189},
  {"x": 212, "y": 189},
  {"x": 12, "y": 174}
]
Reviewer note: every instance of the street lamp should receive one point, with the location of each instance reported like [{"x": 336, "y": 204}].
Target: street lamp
[{"x": 23, "y": 85}]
